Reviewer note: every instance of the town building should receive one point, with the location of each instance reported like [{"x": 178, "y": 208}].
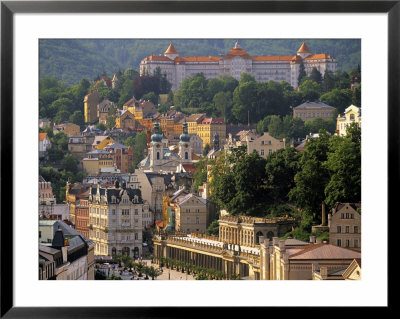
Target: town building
[
  {"x": 122, "y": 156},
  {"x": 192, "y": 213},
  {"x": 78, "y": 146},
  {"x": 46, "y": 199},
  {"x": 116, "y": 215},
  {"x": 345, "y": 225},
  {"x": 103, "y": 110},
  {"x": 235, "y": 62},
  {"x": 90, "y": 103},
  {"x": 44, "y": 144},
  {"x": 73, "y": 194},
  {"x": 197, "y": 144},
  {"x": 125, "y": 121},
  {"x": 352, "y": 114},
  {"x": 193, "y": 120},
  {"x": 207, "y": 129},
  {"x": 96, "y": 161},
  {"x": 64, "y": 254},
  {"x": 140, "y": 109},
  {"x": 44, "y": 123},
  {"x": 264, "y": 145},
  {"x": 69, "y": 129},
  {"x": 312, "y": 110},
  {"x": 285, "y": 263},
  {"x": 153, "y": 185}
]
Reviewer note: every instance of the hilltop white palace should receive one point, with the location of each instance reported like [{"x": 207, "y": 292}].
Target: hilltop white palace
[{"x": 237, "y": 61}]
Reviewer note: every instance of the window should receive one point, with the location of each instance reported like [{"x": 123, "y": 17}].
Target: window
[
  {"x": 347, "y": 229},
  {"x": 197, "y": 220},
  {"x": 339, "y": 242},
  {"x": 262, "y": 152},
  {"x": 188, "y": 220},
  {"x": 347, "y": 243},
  {"x": 136, "y": 236},
  {"x": 355, "y": 243},
  {"x": 136, "y": 211},
  {"x": 339, "y": 229},
  {"x": 355, "y": 229}
]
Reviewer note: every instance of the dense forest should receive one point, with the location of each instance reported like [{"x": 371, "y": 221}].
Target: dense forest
[{"x": 70, "y": 60}]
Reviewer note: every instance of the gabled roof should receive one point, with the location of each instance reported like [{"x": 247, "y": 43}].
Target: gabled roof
[{"x": 42, "y": 136}]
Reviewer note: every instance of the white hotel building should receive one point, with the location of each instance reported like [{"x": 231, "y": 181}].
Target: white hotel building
[{"x": 237, "y": 61}]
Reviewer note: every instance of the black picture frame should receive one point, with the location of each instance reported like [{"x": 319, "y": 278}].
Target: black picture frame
[{"x": 9, "y": 8}]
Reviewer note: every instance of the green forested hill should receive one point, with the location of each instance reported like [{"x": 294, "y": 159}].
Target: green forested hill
[{"x": 72, "y": 60}]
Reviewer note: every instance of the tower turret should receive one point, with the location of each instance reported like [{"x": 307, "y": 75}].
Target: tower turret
[
  {"x": 171, "y": 52},
  {"x": 185, "y": 147}
]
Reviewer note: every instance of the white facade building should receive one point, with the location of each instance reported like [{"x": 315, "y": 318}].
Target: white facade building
[{"x": 237, "y": 61}]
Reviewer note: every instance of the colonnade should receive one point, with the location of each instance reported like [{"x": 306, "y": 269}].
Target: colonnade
[{"x": 237, "y": 236}]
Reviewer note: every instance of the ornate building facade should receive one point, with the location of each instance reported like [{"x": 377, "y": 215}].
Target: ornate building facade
[
  {"x": 237, "y": 61},
  {"x": 115, "y": 217}
]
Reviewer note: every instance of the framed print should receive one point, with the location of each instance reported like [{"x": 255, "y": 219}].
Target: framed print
[{"x": 58, "y": 44}]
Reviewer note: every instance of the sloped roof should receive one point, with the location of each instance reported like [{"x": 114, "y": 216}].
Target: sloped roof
[
  {"x": 42, "y": 136},
  {"x": 304, "y": 48},
  {"x": 324, "y": 251},
  {"x": 171, "y": 49}
]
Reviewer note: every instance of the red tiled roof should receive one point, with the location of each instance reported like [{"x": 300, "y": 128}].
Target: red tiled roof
[
  {"x": 157, "y": 58},
  {"x": 189, "y": 168},
  {"x": 171, "y": 49},
  {"x": 318, "y": 56},
  {"x": 212, "y": 121},
  {"x": 42, "y": 136},
  {"x": 273, "y": 58},
  {"x": 304, "y": 48},
  {"x": 237, "y": 52}
]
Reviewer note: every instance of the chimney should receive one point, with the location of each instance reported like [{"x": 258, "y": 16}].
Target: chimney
[
  {"x": 312, "y": 239},
  {"x": 323, "y": 223}
]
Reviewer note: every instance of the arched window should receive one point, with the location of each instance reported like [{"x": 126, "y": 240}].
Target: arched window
[
  {"x": 186, "y": 155},
  {"x": 270, "y": 235},
  {"x": 158, "y": 155},
  {"x": 258, "y": 237}
]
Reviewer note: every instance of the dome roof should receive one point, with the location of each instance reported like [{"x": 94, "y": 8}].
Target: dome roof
[
  {"x": 185, "y": 137},
  {"x": 157, "y": 136}
]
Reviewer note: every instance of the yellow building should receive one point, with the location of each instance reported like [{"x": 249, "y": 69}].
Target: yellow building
[
  {"x": 207, "y": 129},
  {"x": 352, "y": 114},
  {"x": 96, "y": 160},
  {"x": 264, "y": 145},
  {"x": 70, "y": 129},
  {"x": 90, "y": 103},
  {"x": 139, "y": 108},
  {"x": 125, "y": 121},
  {"x": 193, "y": 120}
]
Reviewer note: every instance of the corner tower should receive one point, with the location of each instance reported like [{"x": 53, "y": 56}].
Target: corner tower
[{"x": 171, "y": 52}]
